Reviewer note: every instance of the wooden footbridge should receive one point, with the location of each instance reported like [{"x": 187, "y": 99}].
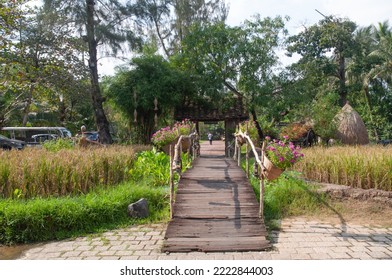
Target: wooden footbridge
[{"x": 215, "y": 208}]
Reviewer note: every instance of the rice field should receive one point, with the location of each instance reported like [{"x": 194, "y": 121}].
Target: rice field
[
  {"x": 36, "y": 172},
  {"x": 366, "y": 167}
]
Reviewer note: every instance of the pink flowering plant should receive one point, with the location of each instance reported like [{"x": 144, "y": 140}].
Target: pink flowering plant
[
  {"x": 281, "y": 153},
  {"x": 164, "y": 136},
  {"x": 167, "y": 134}
]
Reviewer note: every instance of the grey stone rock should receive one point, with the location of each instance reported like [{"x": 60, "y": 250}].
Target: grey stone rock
[{"x": 139, "y": 209}]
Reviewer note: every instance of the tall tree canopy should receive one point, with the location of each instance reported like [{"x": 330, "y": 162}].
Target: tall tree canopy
[
  {"x": 238, "y": 60},
  {"x": 100, "y": 23},
  {"x": 171, "y": 20},
  {"x": 328, "y": 45},
  {"x": 151, "y": 81}
]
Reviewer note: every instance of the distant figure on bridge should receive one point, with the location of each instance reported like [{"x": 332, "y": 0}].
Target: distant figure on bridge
[{"x": 209, "y": 137}]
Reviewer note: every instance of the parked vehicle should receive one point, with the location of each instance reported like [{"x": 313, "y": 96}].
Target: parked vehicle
[
  {"x": 40, "y": 138},
  {"x": 92, "y": 135},
  {"x": 26, "y": 133},
  {"x": 9, "y": 144}
]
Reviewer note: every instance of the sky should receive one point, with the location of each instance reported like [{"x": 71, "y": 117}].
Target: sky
[{"x": 301, "y": 12}]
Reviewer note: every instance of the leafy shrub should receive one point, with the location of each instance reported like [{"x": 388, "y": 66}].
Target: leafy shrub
[
  {"x": 154, "y": 166},
  {"x": 58, "y": 144}
]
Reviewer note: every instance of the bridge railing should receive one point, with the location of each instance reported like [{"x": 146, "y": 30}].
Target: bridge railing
[
  {"x": 175, "y": 151},
  {"x": 259, "y": 168}
]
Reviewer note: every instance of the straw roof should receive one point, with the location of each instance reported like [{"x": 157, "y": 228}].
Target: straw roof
[{"x": 351, "y": 128}]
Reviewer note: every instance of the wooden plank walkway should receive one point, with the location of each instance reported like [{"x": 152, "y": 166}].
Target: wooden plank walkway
[{"x": 216, "y": 209}]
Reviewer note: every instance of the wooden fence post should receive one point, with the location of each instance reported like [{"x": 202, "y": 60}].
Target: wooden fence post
[{"x": 171, "y": 182}]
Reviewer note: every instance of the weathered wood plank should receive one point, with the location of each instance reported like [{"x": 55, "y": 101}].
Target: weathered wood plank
[{"x": 215, "y": 208}]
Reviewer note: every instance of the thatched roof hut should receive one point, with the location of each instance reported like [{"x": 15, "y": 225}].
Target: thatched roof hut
[{"x": 351, "y": 128}]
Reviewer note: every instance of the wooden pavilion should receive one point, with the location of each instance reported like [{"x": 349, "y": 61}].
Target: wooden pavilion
[{"x": 231, "y": 114}]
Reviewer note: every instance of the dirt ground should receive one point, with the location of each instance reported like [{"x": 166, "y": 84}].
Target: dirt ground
[{"x": 353, "y": 211}]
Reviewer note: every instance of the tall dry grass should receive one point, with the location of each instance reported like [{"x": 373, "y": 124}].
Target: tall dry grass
[
  {"x": 367, "y": 167},
  {"x": 38, "y": 172}
]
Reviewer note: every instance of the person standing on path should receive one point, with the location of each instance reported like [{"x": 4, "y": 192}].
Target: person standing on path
[{"x": 210, "y": 137}]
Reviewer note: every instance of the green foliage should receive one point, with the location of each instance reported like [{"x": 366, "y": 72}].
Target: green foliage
[
  {"x": 151, "y": 78},
  {"x": 58, "y": 218},
  {"x": 238, "y": 58},
  {"x": 324, "y": 110},
  {"x": 152, "y": 166},
  {"x": 288, "y": 196},
  {"x": 250, "y": 127},
  {"x": 58, "y": 144}
]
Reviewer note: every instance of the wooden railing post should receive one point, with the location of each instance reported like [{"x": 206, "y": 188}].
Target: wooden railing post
[
  {"x": 175, "y": 153},
  {"x": 259, "y": 164},
  {"x": 247, "y": 160},
  {"x": 171, "y": 182}
]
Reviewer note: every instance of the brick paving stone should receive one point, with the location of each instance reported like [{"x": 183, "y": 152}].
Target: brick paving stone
[
  {"x": 320, "y": 250},
  {"x": 360, "y": 255},
  {"x": 110, "y": 258},
  {"x": 359, "y": 249},
  {"x": 298, "y": 239},
  {"x": 379, "y": 255},
  {"x": 70, "y": 254},
  {"x": 324, "y": 244},
  {"x": 142, "y": 253},
  {"x": 320, "y": 256},
  {"x": 134, "y": 258},
  {"x": 119, "y": 247},
  {"x": 102, "y": 248},
  {"x": 83, "y": 248},
  {"x": 88, "y": 254},
  {"x": 339, "y": 256},
  {"x": 106, "y": 253},
  {"x": 281, "y": 256},
  {"x": 379, "y": 248},
  {"x": 300, "y": 257},
  {"x": 305, "y": 250}
]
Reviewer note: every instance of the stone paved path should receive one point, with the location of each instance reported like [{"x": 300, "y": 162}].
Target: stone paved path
[{"x": 298, "y": 239}]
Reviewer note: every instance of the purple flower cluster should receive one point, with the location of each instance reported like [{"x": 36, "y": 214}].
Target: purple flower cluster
[{"x": 281, "y": 153}]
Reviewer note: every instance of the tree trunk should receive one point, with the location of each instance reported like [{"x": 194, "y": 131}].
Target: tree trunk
[
  {"x": 258, "y": 127},
  {"x": 342, "y": 81},
  {"x": 26, "y": 109},
  {"x": 100, "y": 117}
]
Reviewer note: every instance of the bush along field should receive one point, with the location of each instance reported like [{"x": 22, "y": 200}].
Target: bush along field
[{"x": 37, "y": 212}]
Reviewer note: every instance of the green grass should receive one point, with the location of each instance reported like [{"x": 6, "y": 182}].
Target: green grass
[
  {"x": 42, "y": 219},
  {"x": 289, "y": 195}
]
